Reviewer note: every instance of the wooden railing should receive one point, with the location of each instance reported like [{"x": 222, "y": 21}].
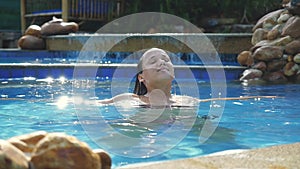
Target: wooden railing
[{"x": 80, "y": 10}]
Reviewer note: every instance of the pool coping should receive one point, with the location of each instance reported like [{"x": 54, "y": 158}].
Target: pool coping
[
  {"x": 113, "y": 65},
  {"x": 92, "y": 70},
  {"x": 273, "y": 157}
]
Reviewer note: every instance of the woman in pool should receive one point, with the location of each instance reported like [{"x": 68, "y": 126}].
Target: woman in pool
[{"x": 154, "y": 82}]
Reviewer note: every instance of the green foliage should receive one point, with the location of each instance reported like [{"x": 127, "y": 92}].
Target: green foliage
[
  {"x": 195, "y": 10},
  {"x": 10, "y": 15}
]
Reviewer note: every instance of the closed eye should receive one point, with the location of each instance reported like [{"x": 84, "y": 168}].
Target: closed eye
[{"x": 165, "y": 58}]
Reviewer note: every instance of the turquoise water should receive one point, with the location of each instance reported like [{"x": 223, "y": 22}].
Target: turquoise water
[{"x": 30, "y": 104}]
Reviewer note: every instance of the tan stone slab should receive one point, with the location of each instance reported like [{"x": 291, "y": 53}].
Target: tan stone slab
[{"x": 275, "y": 157}]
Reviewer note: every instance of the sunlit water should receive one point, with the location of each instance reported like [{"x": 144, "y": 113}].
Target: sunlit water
[{"x": 32, "y": 104}]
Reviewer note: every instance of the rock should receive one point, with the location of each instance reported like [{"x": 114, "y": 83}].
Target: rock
[
  {"x": 277, "y": 42},
  {"x": 274, "y": 32},
  {"x": 281, "y": 41},
  {"x": 283, "y": 18},
  {"x": 288, "y": 58},
  {"x": 293, "y": 7},
  {"x": 104, "y": 158},
  {"x": 275, "y": 65},
  {"x": 297, "y": 78},
  {"x": 285, "y": 2},
  {"x": 291, "y": 27},
  {"x": 58, "y": 27},
  {"x": 268, "y": 53},
  {"x": 11, "y": 157},
  {"x": 60, "y": 151},
  {"x": 33, "y": 30},
  {"x": 20, "y": 145},
  {"x": 27, "y": 142},
  {"x": 245, "y": 58},
  {"x": 259, "y": 35},
  {"x": 270, "y": 18},
  {"x": 296, "y": 58},
  {"x": 275, "y": 77},
  {"x": 251, "y": 74},
  {"x": 290, "y": 69},
  {"x": 260, "y": 44},
  {"x": 293, "y": 47},
  {"x": 260, "y": 66},
  {"x": 269, "y": 23},
  {"x": 31, "y": 42}
]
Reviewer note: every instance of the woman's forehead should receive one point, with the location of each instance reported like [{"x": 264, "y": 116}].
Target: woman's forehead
[{"x": 154, "y": 53}]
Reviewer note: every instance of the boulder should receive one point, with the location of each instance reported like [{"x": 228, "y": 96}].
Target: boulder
[
  {"x": 291, "y": 27},
  {"x": 274, "y": 33},
  {"x": 60, "y": 151},
  {"x": 290, "y": 69},
  {"x": 105, "y": 159},
  {"x": 31, "y": 43},
  {"x": 260, "y": 66},
  {"x": 259, "y": 35},
  {"x": 20, "y": 145},
  {"x": 297, "y": 78},
  {"x": 11, "y": 157},
  {"x": 275, "y": 65},
  {"x": 277, "y": 42},
  {"x": 268, "y": 18},
  {"x": 285, "y": 2},
  {"x": 245, "y": 58},
  {"x": 58, "y": 27},
  {"x": 281, "y": 41},
  {"x": 275, "y": 77},
  {"x": 268, "y": 53},
  {"x": 283, "y": 18},
  {"x": 296, "y": 58},
  {"x": 27, "y": 142},
  {"x": 33, "y": 30},
  {"x": 293, "y": 47},
  {"x": 251, "y": 74},
  {"x": 293, "y": 7}
]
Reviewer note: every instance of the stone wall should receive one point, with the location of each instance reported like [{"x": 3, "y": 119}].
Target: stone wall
[{"x": 275, "y": 54}]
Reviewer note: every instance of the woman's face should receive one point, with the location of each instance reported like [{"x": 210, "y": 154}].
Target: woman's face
[{"x": 157, "y": 66}]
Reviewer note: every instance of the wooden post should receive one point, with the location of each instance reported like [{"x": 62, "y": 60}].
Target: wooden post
[
  {"x": 22, "y": 15},
  {"x": 65, "y": 10}
]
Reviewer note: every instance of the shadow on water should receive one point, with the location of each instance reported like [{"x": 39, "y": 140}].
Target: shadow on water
[{"x": 182, "y": 125}]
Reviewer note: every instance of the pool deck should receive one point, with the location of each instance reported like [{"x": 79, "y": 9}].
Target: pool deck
[{"x": 273, "y": 157}]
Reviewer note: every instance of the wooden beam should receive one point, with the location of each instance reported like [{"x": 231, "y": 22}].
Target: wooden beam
[
  {"x": 65, "y": 10},
  {"x": 23, "y": 12}
]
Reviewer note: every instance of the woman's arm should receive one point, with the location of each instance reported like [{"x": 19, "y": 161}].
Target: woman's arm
[{"x": 237, "y": 98}]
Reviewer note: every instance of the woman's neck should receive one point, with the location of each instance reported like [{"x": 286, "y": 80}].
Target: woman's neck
[{"x": 164, "y": 92}]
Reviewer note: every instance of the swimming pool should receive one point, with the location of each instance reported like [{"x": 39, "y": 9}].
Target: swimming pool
[{"x": 30, "y": 104}]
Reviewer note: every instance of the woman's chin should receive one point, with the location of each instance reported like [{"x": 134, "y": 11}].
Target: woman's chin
[{"x": 165, "y": 76}]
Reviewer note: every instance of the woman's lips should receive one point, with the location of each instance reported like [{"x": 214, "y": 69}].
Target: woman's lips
[{"x": 162, "y": 69}]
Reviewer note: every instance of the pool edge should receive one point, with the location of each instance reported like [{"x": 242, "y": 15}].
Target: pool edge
[{"x": 280, "y": 156}]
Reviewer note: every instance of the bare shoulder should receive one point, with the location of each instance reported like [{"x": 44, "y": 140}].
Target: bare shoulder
[{"x": 118, "y": 98}]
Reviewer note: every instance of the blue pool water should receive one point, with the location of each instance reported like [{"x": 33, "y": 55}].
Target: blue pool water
[{"x": 31, "y": 104}]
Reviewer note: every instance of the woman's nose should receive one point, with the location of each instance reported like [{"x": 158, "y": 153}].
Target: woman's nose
[{"x": 162, "y": 62}]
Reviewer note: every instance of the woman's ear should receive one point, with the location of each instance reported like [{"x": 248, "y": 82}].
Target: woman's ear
[{"x": 141, "y": 78}]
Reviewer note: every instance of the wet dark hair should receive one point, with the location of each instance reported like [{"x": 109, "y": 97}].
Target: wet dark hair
[{"x": 139, "y": 88}]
